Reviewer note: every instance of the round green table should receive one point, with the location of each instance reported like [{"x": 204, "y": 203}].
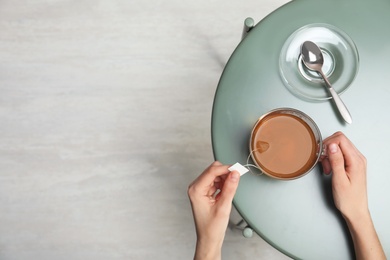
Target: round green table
[{"x": 298, "y": 217}]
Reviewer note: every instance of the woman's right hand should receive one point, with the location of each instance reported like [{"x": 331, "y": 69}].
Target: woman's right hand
[
  {"x": 349, "y": 175},
  {"x": 349, "y": 187}
]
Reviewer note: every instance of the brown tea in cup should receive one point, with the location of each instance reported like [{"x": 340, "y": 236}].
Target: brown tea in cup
[{"x": 285, "y": 143}]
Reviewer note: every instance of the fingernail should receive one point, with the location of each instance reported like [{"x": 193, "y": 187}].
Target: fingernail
[
  {"x": 235, "y": 176},
  {"x": 332, "y": 148}
]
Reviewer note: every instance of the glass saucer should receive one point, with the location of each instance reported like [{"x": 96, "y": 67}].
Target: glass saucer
[{"x": 341, "y": 62}]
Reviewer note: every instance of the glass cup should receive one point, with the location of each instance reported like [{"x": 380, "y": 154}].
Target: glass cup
[{"x": 285, "y": 144}]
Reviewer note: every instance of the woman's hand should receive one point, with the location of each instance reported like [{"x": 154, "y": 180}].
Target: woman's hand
[
  {"x": 211, "y": 212},
  {"x": 349, "y": 175},
  {"x": 349, "y": 187}
]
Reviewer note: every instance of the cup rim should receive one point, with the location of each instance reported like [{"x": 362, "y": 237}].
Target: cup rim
[{"x": 294, "y": 112}]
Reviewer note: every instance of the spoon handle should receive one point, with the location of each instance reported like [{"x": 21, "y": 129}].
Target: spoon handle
[{"x": 339, "y": 103}]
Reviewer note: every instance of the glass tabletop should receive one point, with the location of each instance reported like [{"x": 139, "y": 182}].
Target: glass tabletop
[{"x": 298, "y": 217}]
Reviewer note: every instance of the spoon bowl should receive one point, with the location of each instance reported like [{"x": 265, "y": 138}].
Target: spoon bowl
[{"x": 312, "y": 56}]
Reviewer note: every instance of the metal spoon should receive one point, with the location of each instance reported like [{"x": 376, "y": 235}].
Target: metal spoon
[{"x": 313, "y": 60}]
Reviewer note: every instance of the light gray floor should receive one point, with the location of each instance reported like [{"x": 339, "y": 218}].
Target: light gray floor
[{"x": 105, "y": 113}]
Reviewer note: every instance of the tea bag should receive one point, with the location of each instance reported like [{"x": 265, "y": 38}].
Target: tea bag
[
  {"x": 262, "y": 146},
  {"x": 238, "y": 167}
]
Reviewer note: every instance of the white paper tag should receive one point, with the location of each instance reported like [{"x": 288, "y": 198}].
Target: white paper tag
[{"x": 238, "y": 167}]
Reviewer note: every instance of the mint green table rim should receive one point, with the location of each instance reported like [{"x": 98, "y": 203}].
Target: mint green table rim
[{"x": 298, "y": 217}]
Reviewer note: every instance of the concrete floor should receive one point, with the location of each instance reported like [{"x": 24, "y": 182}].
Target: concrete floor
[{"x": 105, "y": 111}]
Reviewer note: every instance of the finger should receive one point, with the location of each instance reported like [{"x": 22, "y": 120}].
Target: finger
[
  {"x": 218, "y": 185},
  {"x": 218, "y": 179},
  {"x": 205, "y": 181},
  {"x": 325, "y": 161},
  {"x": 334, "y": 136},
  {"x": 217, "y": 163},
  {"x": 230, "y": 187},
  {"x": 326, "y": 166},
  {"x": 348, "y": 149},
  {"x": 352, "y": 155},
  {"x": 211, "y": 192},
  {"x": 336, "y": 160},
  {"x": 213, "y": 172}
]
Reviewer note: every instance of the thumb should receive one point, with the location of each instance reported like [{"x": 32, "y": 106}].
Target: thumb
[
  {"x": 229, "y": 187},
  {"x": 336, "y": 160}
]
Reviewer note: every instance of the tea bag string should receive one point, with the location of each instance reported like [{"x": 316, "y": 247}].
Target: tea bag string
[{"x": 250, "y": 165}]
